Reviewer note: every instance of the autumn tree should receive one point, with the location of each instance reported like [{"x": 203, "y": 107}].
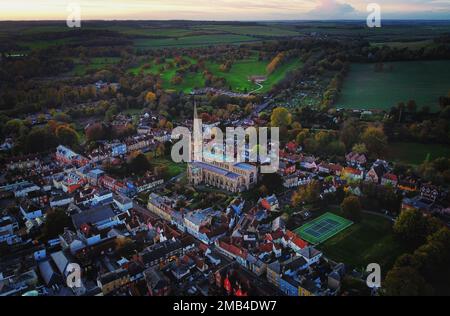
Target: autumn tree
[
  {"x": 413, "y": 227},
  {"x": 67, "y": 135},
  {"x": 405, "y": 281},
  {"x": 351, "y": 207},
  {"x": 150, "y": 97},
  {"x": 280, "y": 117},
  {"x": 375, "y": 141},
  {"x": 309, "y": 193}
]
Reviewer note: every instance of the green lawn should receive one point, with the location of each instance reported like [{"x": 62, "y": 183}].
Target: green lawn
[
  {"x": 370, "y": 241},
  {"x": 174, "y": 169},
  {"x": 237, "y": 77},
  {"x": 416, "y": 153},
  {"x": 422, "y": 81}
]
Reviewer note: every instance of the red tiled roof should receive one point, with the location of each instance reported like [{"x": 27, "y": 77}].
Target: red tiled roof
[
  {"x": 352, "y": 171},
  {"x": 296, "y": 240},
  {"x": 266, "y": 247},
  {"x": 390, "y": 176}
]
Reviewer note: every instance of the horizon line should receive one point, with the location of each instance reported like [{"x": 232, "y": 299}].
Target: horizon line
[{"x": 201, "y": 20}]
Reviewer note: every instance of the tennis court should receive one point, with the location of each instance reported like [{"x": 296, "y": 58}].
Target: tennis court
[{"x": 323, "y": 228}]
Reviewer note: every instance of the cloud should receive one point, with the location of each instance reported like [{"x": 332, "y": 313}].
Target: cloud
[{"x": 333, "y": 9}]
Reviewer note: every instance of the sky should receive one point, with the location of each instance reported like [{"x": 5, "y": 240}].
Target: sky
[{"x": 231, "y": 10}]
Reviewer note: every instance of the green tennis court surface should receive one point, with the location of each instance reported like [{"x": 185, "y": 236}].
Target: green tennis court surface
[{"x": 323, "y": 228}]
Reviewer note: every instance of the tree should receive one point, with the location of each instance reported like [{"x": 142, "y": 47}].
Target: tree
[
  {"x": 272, "y": 182},
  {"x": 281, "y": 117},
  {"x": 150, "y": 97},
  {"x": 375, "y": 141},
  {"x": 360, "y": 149},
  {"x": 124, "y": 247},
  {"x": 406, "y": 281},
  {"x": 13, "y": 127},
  {"x": 349, "y": 133},
  {"x": 351, "y": 207},
  {"x": 67, "y": 135},
  {"x": 55, "y": 222},
  {"x": 412, "y": 227},
  {"x": 95, "y": 132},
  {"x": 40, "y": 139},
  {"x": 309, "y": 193},
  {"x": 139, "y": 164}
]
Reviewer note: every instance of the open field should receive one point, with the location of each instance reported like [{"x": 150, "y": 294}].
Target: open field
[
  {"x": 192, "y": 41},
  {"x": 422, "y": 81},
  {"x": 323, "y": 228},
  {"x": 237, "y": 77},
  {"x": 97, "y": 63},
  {"x": 416, "y": 153},
  {"x": 371, "y": 240}
]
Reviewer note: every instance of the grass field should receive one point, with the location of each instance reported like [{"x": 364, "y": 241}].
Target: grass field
[
  {"x": 323, "y": 228},
  {"x": 192, "y": 41},
  {"x": 173, "y": 169},
  {"x": 96, "y": 63},
  {"x": 422, "y": 81},
  {"x": 369, "y": 241},
  {"x": 237, "y": 77},
  {"x": 416, "y": 153}
]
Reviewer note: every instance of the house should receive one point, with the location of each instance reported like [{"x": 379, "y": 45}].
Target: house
[
  {"x": 330, "y": 168},
  {"x": 353, "y": 174},
  {"x": 162, "y": 253},
  {"x": 270, "y": 203},
  {"x": 61, "y": 200},
  {"x": 100, "y": 217},
  {"x": 157, "y": 283},
  {"x": 376, "y": 173},
  {"x": 48, "y": 274},
  {"x": 67, "y": 156},
  {"x": 94, "y": 176},
  {"x": 161, "y": 206},
  {"x": 123, "y": 203},
  {"x": 113, "y": 281},
  {"x": 355, "y": 159},
  {"x": 286, "y": 168},
  {"x": 39, "y": 197},
  {"x": 294, "y": 242},
  {"x": 232, "y": 251},
  {"x": 429, "y": 192},
  {"x": 22, "y": 190},
  {"x": 311, "y": 255},
  {"x": 196, "y": 220},
  {"x": 30, "y": 210},
  {"x": 147, "y": 183},
  {"x": 118, "y": 149},
  {"x": 389, "y": 179}
]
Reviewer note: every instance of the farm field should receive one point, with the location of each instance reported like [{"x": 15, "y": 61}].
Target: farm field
[
  {"x": 416, "y": 153},
  {"x": 192, "y": 41},
  {"x": 422, "y": 81},
  {"x": 237, "y": 77},
  {"x": 96, "y": 63},
  {"x": 371, "y": 240}
]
